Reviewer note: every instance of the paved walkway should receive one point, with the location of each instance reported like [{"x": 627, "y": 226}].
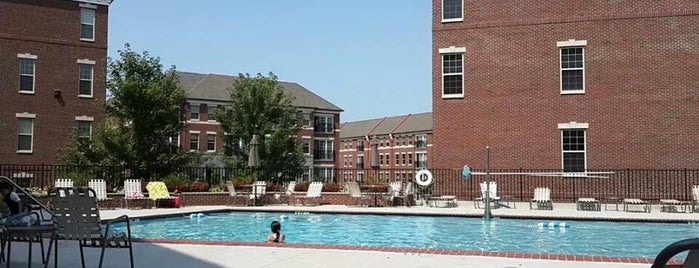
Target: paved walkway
[{"x": 261, "y": 255}]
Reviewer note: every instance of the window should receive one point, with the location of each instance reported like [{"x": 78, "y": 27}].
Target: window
[
  {"x": 324, "y": 124},
  {"x": 323, "y": 150},
  {"x": 403, "y": 159},
  {"x": 194, "y": 141},
  {"x": 324, "y": 174},
  {"x": 210, "y": 113},
  {"x": 175, "y": 140},
  {"x": 421, "y": 160},
  {"x": 572, "y": 66},
  {"x": 452, "y": 10},
  {"x": 397, "y": 159},
  {"x": 573, "y": 142},
  {"x": 27, "y": 69},
  {"x": 87, "y": 24},
  {"x": 360, "y": 146},
  {"x": 380, "y": 160},
  {"x": 84, "y": 129},
  {"x": 345, "y": 162},
  {"x": 25, "y": 135},
  {"x": 306, "y": 146},
  {"x": 421, "y": 141},
  {"x": 194, "y": 112},
  {"x": 86, "y": 75},
  {"x": 452, "y": 75},
  {"x": 360, "y": 162},
  {"x": 410, "y": 159},
  {"x": 210, "y": 142},
  {"x": 306, "y": 119}
]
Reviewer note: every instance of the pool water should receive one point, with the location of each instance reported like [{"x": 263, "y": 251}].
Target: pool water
[{"x": 594, "y": 238}]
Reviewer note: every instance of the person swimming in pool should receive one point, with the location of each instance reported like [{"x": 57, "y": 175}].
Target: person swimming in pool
[{"x": 276, "y": 236}]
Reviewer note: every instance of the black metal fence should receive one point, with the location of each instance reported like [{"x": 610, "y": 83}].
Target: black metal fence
[{"x": 647, "y": 184}]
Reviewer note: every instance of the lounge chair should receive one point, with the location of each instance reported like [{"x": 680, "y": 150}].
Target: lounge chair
[
  {"x": 542, "y": 199},
  {"x": 63, "y": 183},
  {"x": 356, "y": 192},
  {"x": 493, "y": 195},
  {"x": 100, "y": 187},
  {"x": 407, "y": 194},
  {"x": 314, "y": 193},
  {"x": 588, "y": 204},
  {"x": 394, "y": 190},
  {"x": 449, "y": 201},
  {"x": 259, "y": 189},
  {"x": 628, "y": 202},
  {"x": 288, "y": 193},
  {"x": 157, "y": 191},
  {"x": 233, "y": 195},
  {"x": 77, "y": 218},
  {"x": 695, "y": 198},
  {"x": 132, "y": 191},
  {"x": 671, "y": 205}
]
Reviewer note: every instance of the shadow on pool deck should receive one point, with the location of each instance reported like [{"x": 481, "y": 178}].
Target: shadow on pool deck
[{"x": 145, "y": 255}]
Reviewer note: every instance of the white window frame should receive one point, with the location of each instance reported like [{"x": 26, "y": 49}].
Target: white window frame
[
  {"x": 191, "y": 106},
  {"x": 210, "y": 133},
  {"x": 573, "y": 126},
  {"x": 91, "y": 64},
  {"x": 453, "y": 19},
  {"x": 453, "y": 51},
  {"x": 178, "y": 140},
  {"x": 94, "y": 19},
  {"x": 326, "y": 148},
  {"x": 33, "y": 59},
  {"x": 327, "y": 119},
  {"x": 88, "y": 119},
  {"x": 194, "y": 132},
  {"x": 572, "y": 43},
  {"x": 310, "y": 146},
  {"x": 208, "y": 112},
  {"x": 25, "y": 116}
]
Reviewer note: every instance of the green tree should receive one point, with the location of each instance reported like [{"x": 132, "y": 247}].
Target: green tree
[
  {"x": 143, "y": 112},
  {"x": 259, "y": 106}
]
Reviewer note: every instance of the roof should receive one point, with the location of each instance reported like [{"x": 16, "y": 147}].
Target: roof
[
  {"x": 215, "y": 87},
  {"x": 96, "y": 2},
  {"x": 395, "y": 125}
]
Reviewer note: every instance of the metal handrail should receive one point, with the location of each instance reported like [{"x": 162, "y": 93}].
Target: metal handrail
[{"x": 31, "y": 197}]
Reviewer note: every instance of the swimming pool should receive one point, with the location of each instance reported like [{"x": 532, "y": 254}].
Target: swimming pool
[{"x": 591, "y": 238}]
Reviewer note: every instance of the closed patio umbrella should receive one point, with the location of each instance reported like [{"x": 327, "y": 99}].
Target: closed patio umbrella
[{"x": 254, "y": 155}]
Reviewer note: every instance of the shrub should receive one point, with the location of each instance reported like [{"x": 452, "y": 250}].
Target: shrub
[
  {"x": 301, "y": 187},
  {"x": 331, "y": 187}
]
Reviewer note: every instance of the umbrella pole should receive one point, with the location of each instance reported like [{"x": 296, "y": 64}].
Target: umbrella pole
[{"x": 487, "y": 215}]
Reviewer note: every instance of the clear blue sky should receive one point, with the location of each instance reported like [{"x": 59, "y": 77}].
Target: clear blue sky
[{"x": 370, "y": 57}]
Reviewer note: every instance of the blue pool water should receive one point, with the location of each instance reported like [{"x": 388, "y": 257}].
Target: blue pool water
[{"x": 623, "y": 239}]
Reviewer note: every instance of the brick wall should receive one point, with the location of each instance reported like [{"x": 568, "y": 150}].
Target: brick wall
[
  {"x": 55, "y": 40},
  {"x": 641, "y": 94}
]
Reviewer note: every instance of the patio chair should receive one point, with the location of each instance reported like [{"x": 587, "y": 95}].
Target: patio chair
[
  {"x": 233, "y": 195},
  {"x": 493, "y": 195},
  {"x": 407, "y": 194},
  {"x": 314, "y": 193},
  {"x": 63, "y": 183},
  {"x": 100, "y": 187},
  {"x": 157, "y": 191},
  {"x": 695, "y": 198},
  {"x": 259, "y": 189},
  {"x": 671, "y": 205},
  {"x": 288, "y": 193},
  {"x": 132, "y": 191},
  {"x": 542, "y": 199},
  {"x": 394, "y": 189},
  {"x": 356, "y": 192},
  {"x": 588, "y": 204},
  {"x": 628, "y": 202},
  {"x": 77, "y": 218}
]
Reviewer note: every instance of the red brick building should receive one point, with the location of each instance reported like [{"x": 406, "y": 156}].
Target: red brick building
[
  {"x": 404, "y": 145},
  {"x": 52, "y": 75},
  {"x": 568, "y": 85},
  {"x": 319, "y": 136}
]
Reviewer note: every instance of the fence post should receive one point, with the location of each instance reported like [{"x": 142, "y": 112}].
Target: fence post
[
  {"x": 687, "y": 186},
  {"x": 521, "y": 185}
]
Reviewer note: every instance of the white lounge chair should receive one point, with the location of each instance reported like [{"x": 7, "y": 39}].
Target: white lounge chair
[
  {"x": 356, "y": 192},
  {"x": 628, "y": 202},
  {"x": 132, "y": 191},
  {"x": 695, "y": 198},
  {"x": 288, "y": 193},
  {"x": 314, "y": 192},
  {"x": 100, "y": 188},
  {"x": 259, "y": 189},
  {"x": 542, "y": 199},
  {"x": 394, "y": 190},
  {"x": 588, "y": 203},
  {"x": 63, "y": 183},
  {"x": 493, "y": 194},
  {"x": 233, "y": 195}
]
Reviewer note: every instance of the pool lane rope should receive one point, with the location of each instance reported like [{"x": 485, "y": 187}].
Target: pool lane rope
[{"x": 553, "y": 224}]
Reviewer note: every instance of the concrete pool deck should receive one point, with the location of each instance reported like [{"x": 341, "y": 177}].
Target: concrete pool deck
[{"x": 249, "y": 254}]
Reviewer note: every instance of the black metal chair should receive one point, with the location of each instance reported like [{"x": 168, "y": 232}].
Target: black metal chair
[{"x": 77, "y": 218}]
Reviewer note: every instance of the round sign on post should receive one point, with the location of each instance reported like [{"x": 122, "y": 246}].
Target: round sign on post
[
  {"x": 466, "y": 172},
  {"x": 423, "y": 177}
]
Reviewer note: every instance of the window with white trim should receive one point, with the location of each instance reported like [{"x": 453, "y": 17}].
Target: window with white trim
[
  {"x": 573, "y": 150},
  {"x": 193, "y": 112},
  {"x": 452, "y": 75},
  {"x": 572, "y": 69},
  {"x": 306, "y": 145},
  {"x": 211, "y": 142},
  {"x": 211, "y": 112},
  {"x": 421, "y": 160},
  {"x": 87, "y": 72},
  {"x": 194, "y": 141},
  {"x": 452, "y": 10},
  {"x": 87, "y": 24},
  {"x": 84, "y": 129},
  {"x": 27, "y": 78},
  {"x": 360, "y": 162},
  {"x": 306, "y": 119},
  {"x": 324, "y": 123},
  {"x": 324, "y": 174},
  {"x": 25, "y": 135},
  {"x": 421, "y": 141}
]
